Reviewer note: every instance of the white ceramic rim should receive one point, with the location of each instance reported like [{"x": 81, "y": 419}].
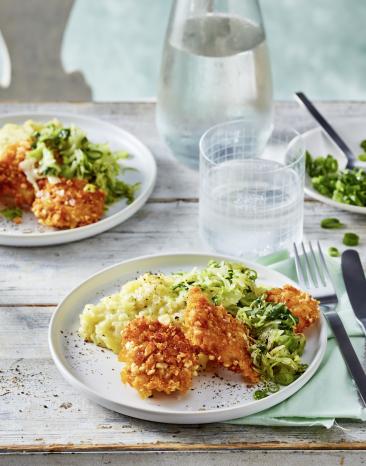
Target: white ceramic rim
[{"x": 177, "y": 417}]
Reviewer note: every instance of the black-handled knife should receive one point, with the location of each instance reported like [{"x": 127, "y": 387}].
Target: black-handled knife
[
  {"x": 355, "y": 281},
  {"x": 350, "y": 357}
]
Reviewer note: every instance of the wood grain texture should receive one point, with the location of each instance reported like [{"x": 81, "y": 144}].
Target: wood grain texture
[
  {"x": 174, "y": 180},
  {"x": 218, "y": 458},
  {"x": 45, "y": 275},
  {"x": 40, "y": 412}
]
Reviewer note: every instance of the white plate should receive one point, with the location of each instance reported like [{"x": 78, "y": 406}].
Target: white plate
[
  {"x": 31, "y": 233},
  {"x": 95, "y": 371},
  {"x": 318, "y": 143}
]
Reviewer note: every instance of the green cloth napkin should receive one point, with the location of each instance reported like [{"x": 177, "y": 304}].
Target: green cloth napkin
[{"x": 330, "y": 393}]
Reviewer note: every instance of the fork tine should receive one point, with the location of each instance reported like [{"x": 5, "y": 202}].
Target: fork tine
[
  {"x": 299, "y": 269},
  {"x": 317, "y": 269},
  {"x": 324, "y": 263},
  {"x": 309, "y": 270}
]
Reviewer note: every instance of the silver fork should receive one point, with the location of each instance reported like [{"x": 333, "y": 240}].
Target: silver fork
[{"x": 313, "y": 274}]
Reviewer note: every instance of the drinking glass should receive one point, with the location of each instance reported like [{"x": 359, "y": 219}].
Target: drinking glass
[
  {"x": 251, "y": 191},
  {"x": 215, "y": 68}
]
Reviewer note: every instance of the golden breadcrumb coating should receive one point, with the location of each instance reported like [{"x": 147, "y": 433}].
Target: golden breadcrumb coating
[
  {"x": 218, "y": 334},
  {"x": 68, "y": 204},
  {"x": 299, "y": 303},
  {"x": 15, "y": 190},
  {"x": 158, "y": 358}
]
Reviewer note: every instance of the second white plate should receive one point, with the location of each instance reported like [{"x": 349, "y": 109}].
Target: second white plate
[
  {"x": 319, "y": 144},
  {"x": 31, "y": 233},
  {"x": 96, "y": 372}
]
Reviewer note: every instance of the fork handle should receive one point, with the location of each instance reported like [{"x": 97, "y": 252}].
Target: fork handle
[
  {"x": 349, "y": 355},
  {"x": 327, "y": 128}
]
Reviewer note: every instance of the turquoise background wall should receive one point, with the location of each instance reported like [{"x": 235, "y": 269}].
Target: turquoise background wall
[{"x": 318, "y": 46}]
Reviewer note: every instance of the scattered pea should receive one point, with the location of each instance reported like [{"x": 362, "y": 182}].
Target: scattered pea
[
  {"x": 362, "y": 157},
  {"x": 331, "y": 223},
  {"x": 333, "y": 252},
  {"x": 351, "y": 239}
]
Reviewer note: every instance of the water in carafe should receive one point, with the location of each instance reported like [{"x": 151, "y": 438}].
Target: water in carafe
[{"x": 215, "y": 68}]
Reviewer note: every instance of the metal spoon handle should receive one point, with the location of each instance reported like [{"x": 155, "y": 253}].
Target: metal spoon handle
[{"x": 327, "y": 128}]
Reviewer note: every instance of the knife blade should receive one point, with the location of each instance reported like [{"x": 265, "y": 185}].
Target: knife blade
[{"x": 355, "y": 281}]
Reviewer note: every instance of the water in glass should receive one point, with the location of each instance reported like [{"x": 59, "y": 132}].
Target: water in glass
[{"x": 250, "y": 206}]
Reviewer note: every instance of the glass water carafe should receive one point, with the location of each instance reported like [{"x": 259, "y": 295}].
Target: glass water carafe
[{"x": 215, "y": 68}]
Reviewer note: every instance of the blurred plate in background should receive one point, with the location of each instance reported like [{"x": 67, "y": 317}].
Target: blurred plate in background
[
  {"x": 319, "y": 144},
  {"x": 31, "y": 233}
]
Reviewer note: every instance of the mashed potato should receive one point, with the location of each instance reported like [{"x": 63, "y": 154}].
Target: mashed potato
[
  {"x": 164, "y": 297},
  {"x": 150, "y": 296},
  {"x": 15, "y": 134}
]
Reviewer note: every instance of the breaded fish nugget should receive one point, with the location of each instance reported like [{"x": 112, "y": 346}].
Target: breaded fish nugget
[
  {"x": 299, "y": 303},
  {"x": 158, "y": 358},
  {"x": 15, "y": 190},
  {"x": 68, "y": 204},
  {"x": 218, "y": 334}
]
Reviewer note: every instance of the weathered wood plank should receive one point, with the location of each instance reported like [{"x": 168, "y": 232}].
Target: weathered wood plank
[
  {"x": 45, "y": 275},
  {"x": 236, "y": 458},
  {"x": 175, "y": 180},
  {"x": 39, "y": 411},
  {"x": 37, "y": 277}
]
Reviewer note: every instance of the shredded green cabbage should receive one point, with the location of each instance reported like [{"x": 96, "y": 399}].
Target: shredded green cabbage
[
  {"x": 67, "y": 152},
  {"x": 275, "y": 347},
  {"x": 230, "y": 284}
]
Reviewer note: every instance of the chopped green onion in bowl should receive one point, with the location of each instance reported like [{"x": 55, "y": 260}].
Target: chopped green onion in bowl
[
  {"x": 321, "y": 165},
  {"x": 344, "y": 186}
]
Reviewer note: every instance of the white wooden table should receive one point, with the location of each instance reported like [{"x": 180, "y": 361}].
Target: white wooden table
[{"x": 40, "y": 413}]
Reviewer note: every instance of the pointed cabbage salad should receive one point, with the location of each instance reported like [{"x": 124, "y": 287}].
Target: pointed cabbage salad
[
  {"x": 230, "y": 284},
  {"x": 58, "y": 151},
  {"x": 275, "y": 347}
]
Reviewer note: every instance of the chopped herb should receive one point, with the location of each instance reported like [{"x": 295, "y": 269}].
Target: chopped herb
[
  {"x": 11, "y": 213},
  {"x": 320, "y": 165},
  {"x": 363, "y": 145},
  {"x": 333, "y": 252},
  {"x": 331, "y": 223},
  {"x": 351, "y": 239},
  {"x": 260, "y": 394},
  {"x": 269, "y": 388},
  {"x": 344, "y": 186}
]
